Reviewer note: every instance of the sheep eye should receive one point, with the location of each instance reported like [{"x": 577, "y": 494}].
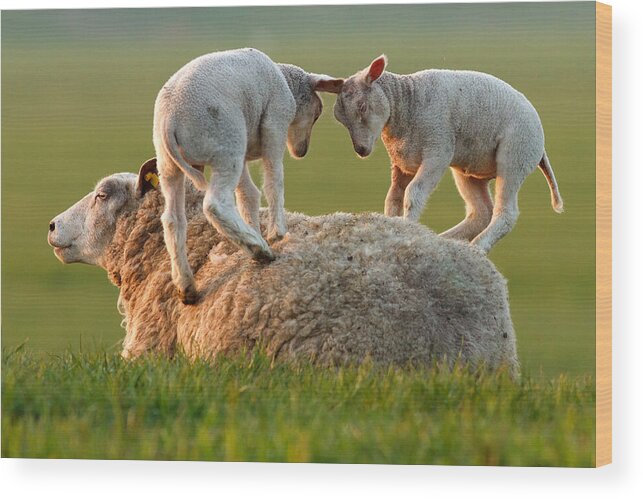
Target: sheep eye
[{"x": 101, "y": 195}]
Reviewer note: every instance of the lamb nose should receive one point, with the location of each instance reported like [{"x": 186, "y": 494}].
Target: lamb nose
[
  {"x": 52, "y": 226},
  {"x": 361, "y": 150}
]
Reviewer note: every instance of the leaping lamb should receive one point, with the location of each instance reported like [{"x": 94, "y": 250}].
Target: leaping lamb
[
  {"x": 223, "y": 109},
  {"x": 344, "y": 288}
]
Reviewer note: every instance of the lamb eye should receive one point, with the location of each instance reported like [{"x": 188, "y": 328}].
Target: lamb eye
[{"x": 101, "y": 195}]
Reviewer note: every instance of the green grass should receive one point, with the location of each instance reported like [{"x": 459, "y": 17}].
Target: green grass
[{"x": 98, "y": 406}]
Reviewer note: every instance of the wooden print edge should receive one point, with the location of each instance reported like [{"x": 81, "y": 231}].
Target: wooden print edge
[{"x": 603, "y": 234}]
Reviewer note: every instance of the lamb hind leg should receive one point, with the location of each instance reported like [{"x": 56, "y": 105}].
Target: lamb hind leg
[
  {"x": 175, "y": 232},
  {"x": 505, "y": 213},
  {"x": 479, "y": 207},
  {"x": 220, "y": 208},
  {"x": 394, "y": 203}
]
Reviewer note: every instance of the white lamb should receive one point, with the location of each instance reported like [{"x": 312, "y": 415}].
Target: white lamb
[
  {"x": 431, "y": 120},
  {"x": 223, "y": 109}
]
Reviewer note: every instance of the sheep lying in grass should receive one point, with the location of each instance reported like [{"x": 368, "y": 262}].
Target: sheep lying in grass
[
  {"x": 342, "y": 289},
  {"x": 432, "y": 120},
  {"x": 223, "y": 109}
]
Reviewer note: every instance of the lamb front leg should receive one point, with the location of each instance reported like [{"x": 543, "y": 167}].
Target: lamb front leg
[
  {"x": 221, "y": 211},
  {"x": 394, "y": 204},
  {"x": 425, "y": 181},
  {"x": 273, "y": 180},
  {"x": 248, "y": 200}
]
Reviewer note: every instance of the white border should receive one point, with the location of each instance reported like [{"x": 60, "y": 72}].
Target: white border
[{"x": 624, "y": 478}]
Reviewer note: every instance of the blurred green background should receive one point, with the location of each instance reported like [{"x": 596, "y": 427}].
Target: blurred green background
[{"x": 78, "y": 89}]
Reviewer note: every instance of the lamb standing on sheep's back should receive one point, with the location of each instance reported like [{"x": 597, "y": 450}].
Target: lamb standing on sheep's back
[{"x": 343, "y": 288}]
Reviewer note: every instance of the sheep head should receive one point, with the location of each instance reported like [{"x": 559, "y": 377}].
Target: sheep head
[
  {"x": 83, "y": 233},
  {"x": 363, "y": 108}
]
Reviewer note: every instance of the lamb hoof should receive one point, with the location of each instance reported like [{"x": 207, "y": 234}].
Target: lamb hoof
[
  {"x": 263, "y": 256},
  {"x": 484, "y": 250},
  {"x": 189, "y": 295},
  {"x": 273, "y": 237}
]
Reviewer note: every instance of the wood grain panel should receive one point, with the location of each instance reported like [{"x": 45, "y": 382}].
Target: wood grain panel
[{"x": 603, "y": 234}]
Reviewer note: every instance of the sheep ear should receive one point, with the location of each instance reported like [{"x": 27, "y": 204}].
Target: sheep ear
[
  {"x": 148, "y": 177},
  {"x": 323, "y": 83},
  {"x": 376, "y": 69}
]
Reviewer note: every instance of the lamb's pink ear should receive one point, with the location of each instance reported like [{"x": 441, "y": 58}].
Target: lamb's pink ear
[
  {"x": 376, "y": 69},
  {"x": 148, "y": 177},
  {"x": 329, "y": 84}
]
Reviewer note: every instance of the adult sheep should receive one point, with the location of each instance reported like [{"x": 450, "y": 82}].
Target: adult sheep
[{"x": 343, "y": 287}]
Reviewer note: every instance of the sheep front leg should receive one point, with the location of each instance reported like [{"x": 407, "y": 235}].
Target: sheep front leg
[
  {"x": 248, "y": 200},
  {"x": 420, "y": 188},
  {"x": 220, "y": 208},
  {"x": 273, "y": 183},
  {"x": 175, "y": 234},
  {"x": 394, "y": 203}
]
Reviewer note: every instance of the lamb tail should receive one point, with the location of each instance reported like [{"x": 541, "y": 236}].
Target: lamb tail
[
  {"x": 171, "y": 147},
  {"x": 556, "y": 199}
]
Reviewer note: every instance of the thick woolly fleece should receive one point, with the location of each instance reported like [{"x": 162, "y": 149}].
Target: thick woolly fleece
[{"x": 343, "y": 288}]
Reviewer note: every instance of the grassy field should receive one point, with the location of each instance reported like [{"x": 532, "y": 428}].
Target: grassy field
[
  {"x": 78, "y": 89},
  {"x": 96, "y": 406}
]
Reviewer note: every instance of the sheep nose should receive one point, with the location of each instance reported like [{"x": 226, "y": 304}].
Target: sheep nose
[
  {"x": 302, "y": 149},
  {"x": 361, "y": 150},
  {"x": 52, "y": 226}
]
